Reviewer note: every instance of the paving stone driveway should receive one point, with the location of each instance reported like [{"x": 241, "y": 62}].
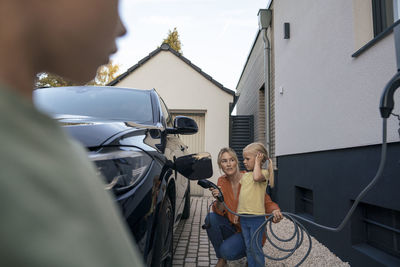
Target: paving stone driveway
[{"x": 192, "y": 247}]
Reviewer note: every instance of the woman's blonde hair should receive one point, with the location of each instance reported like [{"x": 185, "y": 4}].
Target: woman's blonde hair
[
  {"x": 260, "y": 148},
  {"x": 231, "y": 152}
]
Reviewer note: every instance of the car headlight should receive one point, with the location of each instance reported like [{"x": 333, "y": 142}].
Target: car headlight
[{"x": 122, "y": 169}]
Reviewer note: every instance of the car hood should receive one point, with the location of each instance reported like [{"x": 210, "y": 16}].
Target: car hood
[{"x": 94, "y": 132}]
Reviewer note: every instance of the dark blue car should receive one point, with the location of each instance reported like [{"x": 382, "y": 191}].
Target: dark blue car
[{"x": 132, "y": 139}]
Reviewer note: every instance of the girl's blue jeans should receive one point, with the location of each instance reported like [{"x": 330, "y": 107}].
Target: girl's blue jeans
[
  {"x": 228, "y": 244},
  {"x": 255, "y": 258}
]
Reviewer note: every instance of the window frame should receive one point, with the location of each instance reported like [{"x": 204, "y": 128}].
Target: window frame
[{"x": 379, "y": 30}]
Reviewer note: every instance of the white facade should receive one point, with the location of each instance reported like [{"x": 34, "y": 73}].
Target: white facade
[
  {"x": 186, "y": 90},
  {"x": 330, "y": 100},
  {"x": 326, "y": 85}
]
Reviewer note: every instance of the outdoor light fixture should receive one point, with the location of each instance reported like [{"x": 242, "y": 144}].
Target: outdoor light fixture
[
  {"x": 286, "y": 30},
  {"x": 264, "y": 18}
]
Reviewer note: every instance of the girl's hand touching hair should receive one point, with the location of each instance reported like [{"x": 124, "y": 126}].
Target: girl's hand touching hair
[{"x": 259, "y": 157}]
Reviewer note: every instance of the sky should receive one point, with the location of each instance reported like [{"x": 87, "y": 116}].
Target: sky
[{"x": 216, "y": 35}]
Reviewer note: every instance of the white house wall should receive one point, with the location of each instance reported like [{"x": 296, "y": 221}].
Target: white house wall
[
  {"x": 183, "y": 88},
  {"x": 330, "y": 100}
]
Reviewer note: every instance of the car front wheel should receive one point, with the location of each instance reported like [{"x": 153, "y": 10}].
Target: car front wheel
[
  {"x": 163, "y": 248},
  {"x": 186, "y": 209}
]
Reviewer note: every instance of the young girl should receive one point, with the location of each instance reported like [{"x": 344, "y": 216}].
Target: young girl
[{"x": 251, "y": 198}]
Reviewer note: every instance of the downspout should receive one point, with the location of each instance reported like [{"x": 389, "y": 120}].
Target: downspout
[
  {"x": 267, "y": 88},
  {"x": 264, "y": 21}
]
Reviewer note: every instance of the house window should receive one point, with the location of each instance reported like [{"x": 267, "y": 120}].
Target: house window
[
  {"x": 384, "y": 14},
  {"x": 377, "y": 227}
]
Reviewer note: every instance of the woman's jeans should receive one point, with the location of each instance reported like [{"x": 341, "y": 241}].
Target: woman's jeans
[
  {"x": 255, "y": 258},
  {"x": 228, "y": 244}
]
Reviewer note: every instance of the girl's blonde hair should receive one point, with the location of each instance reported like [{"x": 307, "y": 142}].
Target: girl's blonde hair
[
  {"x": 257, "y": 148},
  {"x": 231, "y": 152},
  {"x": 260, "y": 148}
]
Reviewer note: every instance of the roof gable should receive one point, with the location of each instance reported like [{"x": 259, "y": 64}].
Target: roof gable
[{"x": 166, "y": 47}]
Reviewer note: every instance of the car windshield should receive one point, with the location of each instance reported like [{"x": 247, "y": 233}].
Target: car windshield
[{"x": 100, "y": 102}]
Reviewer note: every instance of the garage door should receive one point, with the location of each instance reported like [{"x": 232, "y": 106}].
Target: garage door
[{"x": 195, "y": 143}]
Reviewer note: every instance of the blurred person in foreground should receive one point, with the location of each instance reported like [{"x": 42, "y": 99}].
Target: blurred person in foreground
[{"x": 54, "y": 210}]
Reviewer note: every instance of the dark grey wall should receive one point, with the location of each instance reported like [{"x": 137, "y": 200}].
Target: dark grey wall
[
  {"x": 331, "y": 180},
  {"x": 249, "y": 85}
]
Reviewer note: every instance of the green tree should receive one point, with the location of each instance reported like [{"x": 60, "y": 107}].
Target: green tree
[
  {"x": 173, "y": 40},
  {"x": 45, "y": 79},
  {"x": 104, "y": 75}
]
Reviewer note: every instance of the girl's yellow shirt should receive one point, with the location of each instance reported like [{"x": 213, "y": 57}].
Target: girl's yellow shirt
[{"x": 252, "y": 194}]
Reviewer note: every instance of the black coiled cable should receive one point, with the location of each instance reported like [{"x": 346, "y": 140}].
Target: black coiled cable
[{"x": 298, "y": 236}]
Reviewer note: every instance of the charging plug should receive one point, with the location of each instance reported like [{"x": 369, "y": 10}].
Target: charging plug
[{"x": 208, "y": 184}]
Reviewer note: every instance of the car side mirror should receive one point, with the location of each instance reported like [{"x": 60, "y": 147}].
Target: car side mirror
[
  {"x": 195, "y": 166},
  {"x": 183, "y": 125}
]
